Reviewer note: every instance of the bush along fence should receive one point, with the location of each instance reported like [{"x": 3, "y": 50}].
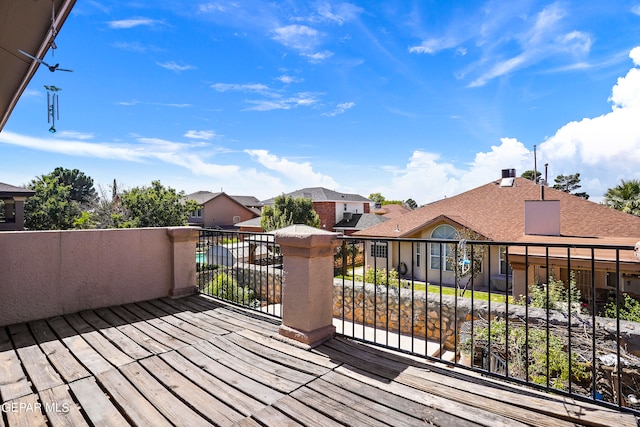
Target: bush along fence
[{"x": 242, "y": 268}]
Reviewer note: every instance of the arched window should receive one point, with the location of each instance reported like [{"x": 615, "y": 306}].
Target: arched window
[{"x": 443, "y": 232}]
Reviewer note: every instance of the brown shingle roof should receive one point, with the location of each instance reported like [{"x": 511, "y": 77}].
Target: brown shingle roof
[{"x": 498, "y": 213}]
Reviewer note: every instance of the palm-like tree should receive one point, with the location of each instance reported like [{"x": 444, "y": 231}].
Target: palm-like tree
[{"x": 624, "y": 197}]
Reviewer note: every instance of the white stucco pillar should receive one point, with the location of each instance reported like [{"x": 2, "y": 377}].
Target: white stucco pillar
[
  {"x": 307, "y": 293},
  {"x": 183, "y": 260}
]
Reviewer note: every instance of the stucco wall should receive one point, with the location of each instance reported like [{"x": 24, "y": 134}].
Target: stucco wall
[{"x": 49, "y": 273}]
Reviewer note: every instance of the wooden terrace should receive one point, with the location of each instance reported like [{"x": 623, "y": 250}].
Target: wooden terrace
[{"x": 196, "y": 361}]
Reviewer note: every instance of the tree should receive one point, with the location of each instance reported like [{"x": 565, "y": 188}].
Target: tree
[
  {"x": 62, "y": 201},
  {"x": 624, "y": 197},
  {"x": 82, "y": 189},
  {"x": 287, "y": 210},
  {"x": 528, "y": 174},
  {"x": 377, "y": 198},
  {"x": 51, "y": 207},
  {"x": 468, "y": 258},
  {"x": 568, "y": 184},
  {"x": 155, "y": 206}
]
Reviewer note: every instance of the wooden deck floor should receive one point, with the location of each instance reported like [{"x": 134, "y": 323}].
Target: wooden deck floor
[{"x": 194, "y": 361}]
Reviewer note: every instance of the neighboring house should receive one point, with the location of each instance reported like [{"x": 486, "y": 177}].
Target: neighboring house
[
  {"x": 332, "y": 207},
  {"x": 219, "y": 210},
  {"x": 514, "y": 210},
  {"x": 12, "y": 206},
  {"x": 357, "y": 222}
]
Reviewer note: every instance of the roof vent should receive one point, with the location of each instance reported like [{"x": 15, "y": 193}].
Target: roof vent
[{"x": 508, "y": 173}]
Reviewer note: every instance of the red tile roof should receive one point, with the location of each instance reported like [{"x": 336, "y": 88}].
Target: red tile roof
[{"x": 498, "y": 214}]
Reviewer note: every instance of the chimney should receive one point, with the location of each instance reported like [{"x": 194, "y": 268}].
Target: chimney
[{"x": 542, "y": 217}]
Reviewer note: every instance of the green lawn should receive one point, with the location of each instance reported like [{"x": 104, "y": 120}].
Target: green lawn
[{"x": 435, "y": 289}]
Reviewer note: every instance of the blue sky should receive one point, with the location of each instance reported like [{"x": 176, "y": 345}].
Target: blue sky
[{"x": 419, "y": 99}]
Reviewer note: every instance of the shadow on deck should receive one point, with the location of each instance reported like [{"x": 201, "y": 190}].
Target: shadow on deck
[{"x": 195, "y": 361}]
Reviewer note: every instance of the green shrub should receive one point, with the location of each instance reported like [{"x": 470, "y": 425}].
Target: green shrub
[
  {"x": 629, "y": 309},
  {"x": 557, "y": 297},
  {"x": 380, "y": 276},
  {"x": 224, "y": 286},
  {"x": 557, "y": 357}
]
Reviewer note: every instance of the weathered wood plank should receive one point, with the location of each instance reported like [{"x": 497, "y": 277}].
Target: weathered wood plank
[
  {"x": 303, "y": 414},
  {"x": 161, "y": 325},
  {"x": 96, "y": 340},
  {"x": 130, "y": 401},
  {"x": 455, "y": 408},
  {"x": 286, "y": 348},
  {"x": 270, "y": 416},
  {"x": 166, "y": 402},
  {"x": 267, "y": 378},
  {"x": 276, "y": 356},
  {"x": 59, "y": 355},
  {"x": 388, "y": 414},
  {"x": 135, "y": 334},
  {"x": 248, "y": 422},
  {"x": 41, "y": 373},
  {"x": 501, "y": 398},
  {"x": 115, "y": 335},
  {"x": 172, "y": 320},
  {"x": 96, "y": 404},
  {"x": 398, "y": 403},
  {"x": 87, "y": 355},
  {"x": 186, "y": 315},
  {"x": 245, "y": 319},
  {"x": 198, "y": 399},
  {"x": 206, "y": 313},
  {"x": 156, "y": 334},
  {"x": 60, "y": 408},
  {"x": 247, "y": 385},
  {"x": 241, "y": 402},
  {"x": 284, "y": 370},
  {"x": 25, "y": 411},
  {"x": 13, "y": 379},
  {"x": 334, "y": 408}
]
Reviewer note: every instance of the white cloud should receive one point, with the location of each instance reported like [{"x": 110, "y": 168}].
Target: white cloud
[
  {"x": 296, "y": 172},
  {"x": 131, "y": 23},
  {"x": 434, "y": 45},
  {"x": 340, "y": 108},
  {"x": 603, "y": 149},
  {"x": 423, "y": 168},
  {"x": 286, "y": 79},
  {"x": 206, "y": 135},
  {"x": 173, "y": 66},
  {"x": 298, "y": 37},
  {"x": 302, "y": 99},
  {"x": 251, "y": 87},
  {"x": 74, "y": 134},
  {"x": 607, "y": 146},
  {"x": 318, "y": 56}
]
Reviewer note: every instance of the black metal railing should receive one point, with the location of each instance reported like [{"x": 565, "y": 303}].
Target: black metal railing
[
  {"x": 242, "y": 268},
  {"x": 558, "y": 317}
]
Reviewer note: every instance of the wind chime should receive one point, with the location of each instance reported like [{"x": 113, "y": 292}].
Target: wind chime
[{"x": 53, "y": 112}]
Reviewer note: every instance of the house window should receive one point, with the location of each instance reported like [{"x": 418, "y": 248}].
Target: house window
[
  {"x": 443, "y": 232},
  {"x": 236, "y": 219},
  {"x": 418, "y": 255},
  {"x": 197, "y": 213},
  {"x": 504, "y": 267},
  {"x": 379, "y": 250}
]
